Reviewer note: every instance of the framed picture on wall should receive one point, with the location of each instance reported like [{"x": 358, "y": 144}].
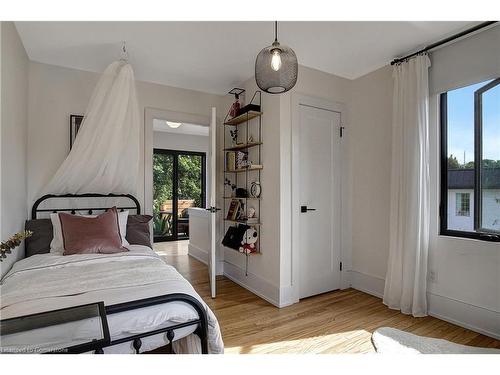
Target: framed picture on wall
[{"x": 74, "y": 126}]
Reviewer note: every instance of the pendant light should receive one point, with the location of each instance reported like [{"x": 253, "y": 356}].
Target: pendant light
[{"x": 276, "y": 67}]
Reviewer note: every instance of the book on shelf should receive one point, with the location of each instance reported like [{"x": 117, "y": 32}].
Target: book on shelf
[
  {"x": 230, "y": 161},
  {"x": 234, "y": 209}
]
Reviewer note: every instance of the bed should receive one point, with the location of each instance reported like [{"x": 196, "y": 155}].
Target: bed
[{"x": 148, "y": 303}]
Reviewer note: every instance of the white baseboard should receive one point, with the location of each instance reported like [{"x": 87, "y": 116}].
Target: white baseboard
[
  {"x": 367, "y": 283},
  {"x": 462, "y": 314},
  {"x": 287, "y": 296},
  {"x": 257, "y": 285},
  {"x": 198, "y": 253}
]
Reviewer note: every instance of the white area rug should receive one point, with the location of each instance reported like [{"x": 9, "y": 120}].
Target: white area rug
[{"x": 393, "y": 341}]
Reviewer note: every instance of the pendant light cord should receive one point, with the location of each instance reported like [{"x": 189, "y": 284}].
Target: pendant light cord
[{"x": 275, "y": 31}]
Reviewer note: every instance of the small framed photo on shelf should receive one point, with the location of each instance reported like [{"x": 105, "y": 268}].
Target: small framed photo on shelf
[{"x": 75, "y": 121}]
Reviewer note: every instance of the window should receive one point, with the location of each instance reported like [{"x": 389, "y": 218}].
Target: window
[
  {"x": 462, "y": 202},
  {"x": 470, "y": 161}
]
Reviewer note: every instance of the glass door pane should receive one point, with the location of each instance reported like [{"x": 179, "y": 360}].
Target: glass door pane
[
  {"x": 163, "y": 194},
  {"x": 490, "y": 157},
  {"x": 190, "y": 188}
]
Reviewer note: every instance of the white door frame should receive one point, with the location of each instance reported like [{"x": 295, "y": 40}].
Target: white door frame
[
  {"x": 345, "y": 250},
  {"x": 149, "y": 115}
]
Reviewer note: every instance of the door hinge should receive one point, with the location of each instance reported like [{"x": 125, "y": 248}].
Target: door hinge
[
  {"x": 341, "y": 131},
  {"x": 341, "y": 266}
]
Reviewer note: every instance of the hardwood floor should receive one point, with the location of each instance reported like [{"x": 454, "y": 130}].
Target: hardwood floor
[{"x": 336, "y": 322}]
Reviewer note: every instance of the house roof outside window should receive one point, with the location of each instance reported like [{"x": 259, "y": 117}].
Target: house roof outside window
[{"x": 464, "y": 178}]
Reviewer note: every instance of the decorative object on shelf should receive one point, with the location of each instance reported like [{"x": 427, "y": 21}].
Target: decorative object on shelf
[
  {"x": 234, "y": 136},
  {"x": 227, "y": 182},
  {"x": 234, "y": 236},
  {"x": 276, "y": 67},
  {"x": 255, "y": 189},
  {"x": 251, "y": 213},
  {"x": 242, "y": 160},
  {"x": 248, "y": 243},
  {"x": 235, "y": 107},
  {"x": 6, "y": 247},
  {"x": 249, "y": 108},
  {"x": 241, "y": 193},
  {"x": 75, "y": 121}
]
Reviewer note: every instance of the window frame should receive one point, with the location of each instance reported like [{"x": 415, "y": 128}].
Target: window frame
[{"x": 478, "y": 234}]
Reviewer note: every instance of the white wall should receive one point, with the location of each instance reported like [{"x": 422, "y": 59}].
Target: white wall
[
  {"x": 57, "y": 92},
  {"x": 331, "y": 88},
  {"x": 371, "y": 126},
  {"x": 183, "y": 142},
  {"x": 14, "y": 103},
  {"x": 270, "y": 273},
  {"x": 464, "y": 286},
  {"x": 264, "y": 268},
  {"x": 466, "y": 282}
]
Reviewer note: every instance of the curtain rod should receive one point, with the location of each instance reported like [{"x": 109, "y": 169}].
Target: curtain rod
[{"x": 444, "y": 41}]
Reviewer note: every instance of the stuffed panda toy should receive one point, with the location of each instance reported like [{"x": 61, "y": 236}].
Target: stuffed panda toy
[{"x": 249, "y": 240}]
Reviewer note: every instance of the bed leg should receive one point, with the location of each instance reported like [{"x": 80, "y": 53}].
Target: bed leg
[
  {"x": 99, "y": 351},
  {"x": 201, "y": 331},
  {"x": 137, "y": 345},
  {"x": 170, "y": 338}
]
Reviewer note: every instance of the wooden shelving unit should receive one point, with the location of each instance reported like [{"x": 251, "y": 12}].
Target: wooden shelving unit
[
  {"x": 243, "y": 146},
  {"x": 243, "y": 118},
  {"x": 241, "y": 170},
  {"x": 242, "y": 222},
  {"x": 248, "y": 126},
  {"x": 242, "y": 198}
]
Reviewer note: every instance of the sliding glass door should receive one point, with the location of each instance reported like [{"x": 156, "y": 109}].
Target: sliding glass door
[{"x": 179, "y": 183}]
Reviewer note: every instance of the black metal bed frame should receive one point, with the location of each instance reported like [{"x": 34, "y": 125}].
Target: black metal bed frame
[
  {"x": 90, "y": 210},
  {"x": 201, "y": 323}
]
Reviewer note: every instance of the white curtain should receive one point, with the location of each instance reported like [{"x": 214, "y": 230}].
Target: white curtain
[
  {"x": 105, "y": 156},
  {"x": 405, "y": 284}
]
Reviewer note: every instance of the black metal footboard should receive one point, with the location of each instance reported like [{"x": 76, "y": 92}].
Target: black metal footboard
[{"x": 201, "y": 323}]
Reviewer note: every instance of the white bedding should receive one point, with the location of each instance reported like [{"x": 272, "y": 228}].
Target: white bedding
[{"x": 49, "y": 282}]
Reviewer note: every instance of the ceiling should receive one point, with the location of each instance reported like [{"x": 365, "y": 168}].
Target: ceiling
[{"x": 216, "y": 56}]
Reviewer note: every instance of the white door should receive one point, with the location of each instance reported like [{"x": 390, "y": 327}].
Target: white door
[
  {"x": 212, "y": 258},
  {"x": 319, "y": 194}
]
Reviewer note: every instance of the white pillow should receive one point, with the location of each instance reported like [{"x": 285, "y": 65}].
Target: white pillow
[{"x": 56, "y": 246}]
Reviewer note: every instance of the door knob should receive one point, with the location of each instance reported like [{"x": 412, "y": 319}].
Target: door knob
[{"x": 305, "y": 209}]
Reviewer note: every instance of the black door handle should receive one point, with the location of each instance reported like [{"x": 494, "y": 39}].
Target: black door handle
[
  {"x": 212, "y": 209},
  {"x": 305, "y": 209}
]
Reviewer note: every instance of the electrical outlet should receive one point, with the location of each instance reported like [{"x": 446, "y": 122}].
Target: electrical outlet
[{"x": 432, "y": 276}]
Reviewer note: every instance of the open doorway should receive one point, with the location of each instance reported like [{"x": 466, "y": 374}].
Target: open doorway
[
  {"x": 179, "y": 177},
  {"x": 179, "y": 183}
]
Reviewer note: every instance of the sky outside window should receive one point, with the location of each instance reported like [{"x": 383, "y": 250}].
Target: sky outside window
[{"x": 461, "y": 123}]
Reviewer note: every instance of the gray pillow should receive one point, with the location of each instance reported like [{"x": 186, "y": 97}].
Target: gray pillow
[
  {"x": 138, "y": 230},
  {"x": 39, "y": 242}
]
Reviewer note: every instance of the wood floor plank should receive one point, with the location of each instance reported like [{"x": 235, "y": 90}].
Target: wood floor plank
[{"x": 336, "y": 322}]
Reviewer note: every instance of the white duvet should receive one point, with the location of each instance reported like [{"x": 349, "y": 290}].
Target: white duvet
[{"x": 50, "y": 282}]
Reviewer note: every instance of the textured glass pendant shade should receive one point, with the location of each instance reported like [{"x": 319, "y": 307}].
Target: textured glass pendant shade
[{"x": 276, "y": 68}]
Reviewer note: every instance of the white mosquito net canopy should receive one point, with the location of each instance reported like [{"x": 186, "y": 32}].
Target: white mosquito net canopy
[{"x": 105, "y": 156}]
